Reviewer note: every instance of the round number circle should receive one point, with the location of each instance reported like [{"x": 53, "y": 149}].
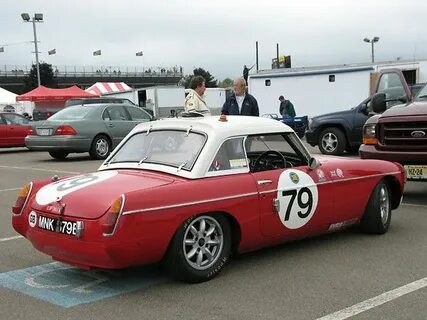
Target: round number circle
[
  {"x": 51, "y": 192},
  {"x": 32, "y": 219},
  {"x": 298, "y": 197}
]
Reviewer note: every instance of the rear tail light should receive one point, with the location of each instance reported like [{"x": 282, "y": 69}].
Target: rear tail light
[
  {"x": 23, "y": 195},
  {"x": 111, "y": 219},
  {"x": 65, "y": 131},
  {"x": 31, "y": 132}
]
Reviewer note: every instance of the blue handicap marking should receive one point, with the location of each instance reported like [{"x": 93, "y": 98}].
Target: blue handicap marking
[{"x": 68, "y": 286}]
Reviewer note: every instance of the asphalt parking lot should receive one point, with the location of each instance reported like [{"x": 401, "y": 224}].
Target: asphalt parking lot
[{"x": 336, "y": 276}]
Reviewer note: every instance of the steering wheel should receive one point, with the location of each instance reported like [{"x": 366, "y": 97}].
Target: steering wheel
[{"x": 269, "y": 160}]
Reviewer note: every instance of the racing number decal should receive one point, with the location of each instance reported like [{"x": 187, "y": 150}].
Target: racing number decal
[
  {"x": 298, "y": 197},
  {"x": 55, "y": 190}
]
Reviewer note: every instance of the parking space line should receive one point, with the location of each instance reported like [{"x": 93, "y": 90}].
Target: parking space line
[
  {"x": 39, "y": 169},
  {"x": 376, "y": 301},
  {"x": 413, "y": 205},
  {"x": 10, "y": 238},
  {"x": 11, "y": 189}
]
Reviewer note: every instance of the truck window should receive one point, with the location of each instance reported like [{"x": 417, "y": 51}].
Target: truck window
[{"x": 392, "y": 86}]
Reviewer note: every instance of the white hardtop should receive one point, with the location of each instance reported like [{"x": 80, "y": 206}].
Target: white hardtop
[{"x": 216, "y": 131}]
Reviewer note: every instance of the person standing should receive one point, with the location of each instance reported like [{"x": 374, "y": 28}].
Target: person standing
[
  {"x": 240, "y": 102},
  {"x": 286, "y": 108},
  {"x": 195, "y": 101}
]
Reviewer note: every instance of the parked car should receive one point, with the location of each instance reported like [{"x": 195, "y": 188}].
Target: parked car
[
  {"x": 400, "y": 133},
  {"x": 341, "y": 131},
  {"x": 189, "y": 192},
  {"x": 77, "y": 101},
  {"x": 13, "y": 129},
  {"x": 94, "y": 128},
  {"x": 298, "y": 124}
]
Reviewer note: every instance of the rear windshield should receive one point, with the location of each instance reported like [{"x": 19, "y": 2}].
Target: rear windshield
[{"x": 71, "y": 113}]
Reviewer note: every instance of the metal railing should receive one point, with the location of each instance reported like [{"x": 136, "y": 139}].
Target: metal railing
[{"x": 95, "y": 71}]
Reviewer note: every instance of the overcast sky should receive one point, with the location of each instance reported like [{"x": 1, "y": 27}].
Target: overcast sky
[{"x": 218, "y": 35}]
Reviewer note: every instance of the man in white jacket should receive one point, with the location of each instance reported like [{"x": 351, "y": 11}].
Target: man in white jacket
[{"x": 195, "y": 102}]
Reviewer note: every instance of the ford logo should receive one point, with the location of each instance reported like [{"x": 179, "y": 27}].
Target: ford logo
[{"x": 418, "y": 134}]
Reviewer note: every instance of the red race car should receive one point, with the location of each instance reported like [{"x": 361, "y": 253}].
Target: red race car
[
  {"x": 190, "y": 192},
  {"x": 13, "y": 129}
]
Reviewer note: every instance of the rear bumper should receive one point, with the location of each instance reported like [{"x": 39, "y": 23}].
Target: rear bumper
[
  {"x": 312, "y": 137},
  {"x": 58, "y": 143}
]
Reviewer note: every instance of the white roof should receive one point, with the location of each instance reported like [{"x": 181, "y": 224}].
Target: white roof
[{"x": 217, "y": 132}]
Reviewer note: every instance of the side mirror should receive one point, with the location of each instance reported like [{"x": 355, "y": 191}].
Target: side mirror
[
  {"x": 379, "y": 103},
  {"x": 313, "y": 163}
]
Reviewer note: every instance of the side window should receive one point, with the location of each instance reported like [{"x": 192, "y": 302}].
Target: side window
[
  {"x": 230, "y": 156},
  {"x": 115, "y": 113},
  {"x": 14, "y": 119},
  {"x": 138, "y": 114},
  {"x": 2, "y": 120}
]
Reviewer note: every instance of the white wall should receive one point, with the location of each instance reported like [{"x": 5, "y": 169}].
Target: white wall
[
  {"x": 312, "y": 94},
  {"x": 215, "y": 98}
]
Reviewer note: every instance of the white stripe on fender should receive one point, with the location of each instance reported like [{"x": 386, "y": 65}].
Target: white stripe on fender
[
  {"x": 376, "y": 301},
  {"x": 10, "y": 238}
]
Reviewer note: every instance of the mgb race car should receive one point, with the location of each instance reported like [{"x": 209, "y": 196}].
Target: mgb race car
[{"x": 190, "y": 192}]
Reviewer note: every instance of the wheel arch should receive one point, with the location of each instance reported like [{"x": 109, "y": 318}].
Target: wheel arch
[
  {"x": 103, "y": 134},
  {"x": 396, "y": 192},
  {"x": 334, "y": 125}
]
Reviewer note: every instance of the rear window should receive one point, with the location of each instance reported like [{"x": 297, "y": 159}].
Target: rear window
[{"x": 71, "y": 113}]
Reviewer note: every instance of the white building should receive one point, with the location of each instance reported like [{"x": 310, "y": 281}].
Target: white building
[{"x": 324, "y": 89}]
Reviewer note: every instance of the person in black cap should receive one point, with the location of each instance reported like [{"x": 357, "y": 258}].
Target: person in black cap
[{"x": 286, "y": 109}]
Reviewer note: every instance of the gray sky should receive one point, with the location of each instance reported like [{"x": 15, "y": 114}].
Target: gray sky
[{"x": 218, "y": 36}]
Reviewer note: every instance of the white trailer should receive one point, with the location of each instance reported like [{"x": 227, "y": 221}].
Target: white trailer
[
  {"x": 319, "y": 90},
  {"x": 160, "y": 99}
]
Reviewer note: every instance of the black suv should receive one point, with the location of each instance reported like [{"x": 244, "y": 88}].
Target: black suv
[{"x": 341, "y": 131}]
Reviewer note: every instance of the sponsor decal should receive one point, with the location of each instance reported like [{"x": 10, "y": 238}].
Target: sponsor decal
[
  {"x": 340, "y": 173},
  {"x": 294, "y": 177},
  {"x": 297, "y": 203},
  {"x": 57, "y": 190},
  {"x": 320, "y": 175}
]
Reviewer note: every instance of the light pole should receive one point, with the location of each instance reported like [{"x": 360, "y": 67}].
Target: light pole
[
  {"x": 38, "y": 17},
  {"x": 372, "y": 41}
]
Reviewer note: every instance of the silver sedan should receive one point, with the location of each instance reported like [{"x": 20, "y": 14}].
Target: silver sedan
[{"x": 94, "y": 128}]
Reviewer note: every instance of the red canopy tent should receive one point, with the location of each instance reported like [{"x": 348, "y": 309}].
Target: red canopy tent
[{"x": 43, "y": 93}]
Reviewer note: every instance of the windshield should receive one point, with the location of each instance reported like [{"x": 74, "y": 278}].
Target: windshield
[
  {"x": 71, "y": 113},
  {"x": 422, "y": 95},
  {"x": 167, "y": 147}
]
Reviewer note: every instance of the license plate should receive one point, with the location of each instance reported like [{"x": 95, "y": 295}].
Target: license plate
[
  {"x": 44, "y": 132},
  {"x": 416, "y": 172},
  {"x": 65, "y": 227}
]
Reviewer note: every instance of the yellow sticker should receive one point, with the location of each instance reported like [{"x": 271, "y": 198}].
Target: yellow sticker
[{"x": 237, "y": 163}]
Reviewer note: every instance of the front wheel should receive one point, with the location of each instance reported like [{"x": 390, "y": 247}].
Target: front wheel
[
  {"x": 200, "y": 248},
  {"x": 332, "y": 141},
  {"x": 377, "y": 216}
]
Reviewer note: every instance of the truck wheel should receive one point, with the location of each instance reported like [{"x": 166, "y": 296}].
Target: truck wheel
[
  {"x": 377, "y": 216},
  {"x": 200, "y": 248},
  {"x": 59, "y": 155},
  {"x": 332, "y": 141},
  {"x": 100, "y": 148}
]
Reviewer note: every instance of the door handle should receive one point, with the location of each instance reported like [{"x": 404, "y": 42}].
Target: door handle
[
  {"x": 264, "y": 182},
  {"x": 111, "y": 125}
]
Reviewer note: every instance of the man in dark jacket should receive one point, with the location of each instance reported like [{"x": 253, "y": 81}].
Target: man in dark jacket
[
  {"x": 286, "y": 109},
  {"x": 240, "y": 102}
]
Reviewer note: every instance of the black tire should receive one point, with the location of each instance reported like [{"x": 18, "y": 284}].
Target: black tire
[
  {"x": 59, "y": 155},
  {"x": 183, "y": 268},
  {"x": 332, "y": 141},
  {"x": 377, "y": 216},
  {"x": 100, "y": 148}
]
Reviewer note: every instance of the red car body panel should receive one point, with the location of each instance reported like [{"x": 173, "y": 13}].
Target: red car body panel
[
  {"x": 156, "y": 204},
  {"x": 12, "y": 135}
]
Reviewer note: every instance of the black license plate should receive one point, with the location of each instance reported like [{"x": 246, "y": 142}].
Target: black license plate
[{"x": 51, "y": 224}]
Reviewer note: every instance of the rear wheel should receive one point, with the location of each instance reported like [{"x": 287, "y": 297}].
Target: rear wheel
[
  {"x": 332, "y": 141},
  {"x": 100, "y": 148},
  {"x": 59, "y": 155},
  {"x": 200, "y": 248},
  {"x": 377, "y": 216}
]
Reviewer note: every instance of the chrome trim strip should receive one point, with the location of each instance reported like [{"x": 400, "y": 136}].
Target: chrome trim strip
[
  {"x": 26, "y": 201},
  {"x": 244, "y": 195}
]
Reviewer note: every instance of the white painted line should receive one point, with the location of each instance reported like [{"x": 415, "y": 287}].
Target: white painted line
[
  {"x": 10, "y": 238},
  {"x": 413, "y": 205},
  {"x": 11, "y": 189},
  {"x": 38, "y": 169},
  {"x": 376, "y": 301}
]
